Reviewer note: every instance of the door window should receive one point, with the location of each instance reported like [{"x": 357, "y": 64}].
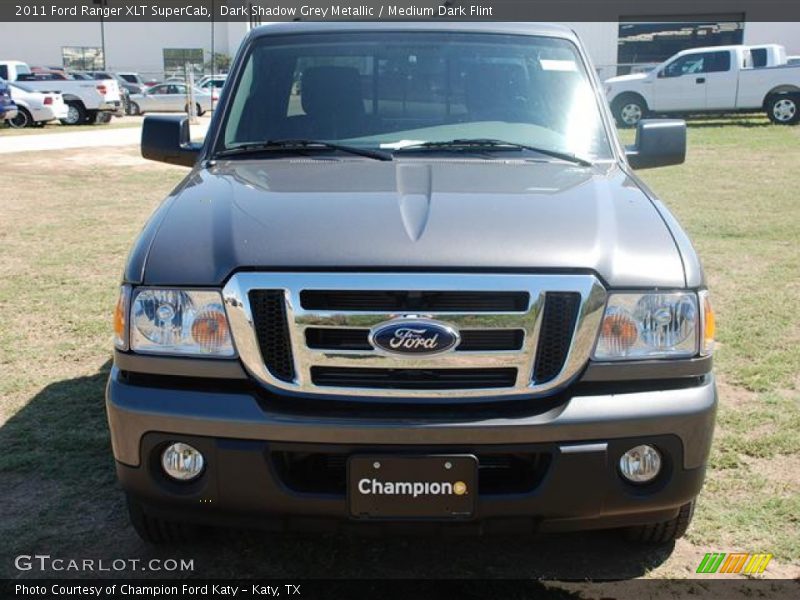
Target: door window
[{"x": 705, "y": 62}]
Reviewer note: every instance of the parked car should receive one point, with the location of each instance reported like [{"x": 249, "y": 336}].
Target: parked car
[
  {"x": 125, "y": 88},
  {"x": 133, "y": 78},
  {"x": 169, "y": 97},
  {"x": 11, "y": 69},
  {"x": 81, "y": 76},
  {"x": 793, "y": 60},
  {"x": 133, "y": 88},
  {"x": 216, "y": 81},
  {"x": 8, "y": 109},
  {"x": 87, "y": 101},
  {"x": 409, "y": 297},
  {"x": 36, "y": 108},
  {"x": 719, "y": 79},
  {"x": 211, "y": 87}
]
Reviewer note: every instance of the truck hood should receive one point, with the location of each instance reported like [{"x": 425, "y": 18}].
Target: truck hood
[
  {"x": 626, "y": 78},
  {"x": 432, "y": 214}
]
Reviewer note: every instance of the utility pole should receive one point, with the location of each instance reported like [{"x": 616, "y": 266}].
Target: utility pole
[
  {"x": 213, "y": 53},
  {"x": 102, "y": 3}
]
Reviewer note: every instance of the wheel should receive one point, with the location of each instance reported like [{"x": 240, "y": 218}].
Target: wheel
[
  {"x": 134, "y": 109},
  {"x": 198, "y": 110},
  {"x": 102, "y": 118},
  {"x": 23, "y": 119},
  {"x": 628, "y": 110},
  {"x": 666, "y": 531},
  {"x": 159, "y": 531},
  {"x": 76, "y": 113},
  {"x": 783, "y": 109}
]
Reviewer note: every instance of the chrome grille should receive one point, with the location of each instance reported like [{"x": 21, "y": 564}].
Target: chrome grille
[{"x": 522, "y": 335}]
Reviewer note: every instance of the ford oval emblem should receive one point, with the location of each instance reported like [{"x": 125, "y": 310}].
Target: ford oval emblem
[{"x": 414, "y": 337}]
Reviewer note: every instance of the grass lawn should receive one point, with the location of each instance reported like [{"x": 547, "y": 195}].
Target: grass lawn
[{"x": 64, "y": 239}]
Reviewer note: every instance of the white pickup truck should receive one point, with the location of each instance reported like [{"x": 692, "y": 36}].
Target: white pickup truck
[
  {"x": 88, "y": 101},
  {"x": 719, "y": 79}
]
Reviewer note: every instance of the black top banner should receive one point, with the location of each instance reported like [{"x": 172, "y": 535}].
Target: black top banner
[{"x": 262, "y": 11}]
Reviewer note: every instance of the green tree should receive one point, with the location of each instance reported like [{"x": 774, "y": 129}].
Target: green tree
[{"x": 222, "y": 62}]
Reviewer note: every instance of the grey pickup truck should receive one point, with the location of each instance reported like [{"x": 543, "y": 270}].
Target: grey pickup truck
[{"x": 412, "y": 282}]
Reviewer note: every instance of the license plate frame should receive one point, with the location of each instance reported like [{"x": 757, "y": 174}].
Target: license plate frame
[{"x": 434, "y": 501}]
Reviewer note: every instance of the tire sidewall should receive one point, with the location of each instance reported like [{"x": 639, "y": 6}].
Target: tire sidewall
[
  {"x": 21, "y": 112},
  {"x": 75, "y": 110},
  {"x": 779, "y": 99},
  {"x": 621, "y": 103}
]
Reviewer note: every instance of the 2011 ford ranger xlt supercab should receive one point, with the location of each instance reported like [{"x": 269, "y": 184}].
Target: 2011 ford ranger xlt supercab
[{"x": 411, "y": 281}]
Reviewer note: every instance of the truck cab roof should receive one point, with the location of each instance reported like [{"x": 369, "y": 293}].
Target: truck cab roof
[{"x": 522, "y": 28}]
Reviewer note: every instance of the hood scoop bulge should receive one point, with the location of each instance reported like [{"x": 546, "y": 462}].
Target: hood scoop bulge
[{"x": 414, "y": 196}]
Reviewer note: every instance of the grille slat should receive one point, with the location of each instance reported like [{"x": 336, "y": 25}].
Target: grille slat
[
  {"x": 414, "y": 379},
  {"x": 414, "y": 301},
  {"x": 472, "y": 340},
  {"x": 555, "y": 338},
  {"x": 272, "y": 329}
]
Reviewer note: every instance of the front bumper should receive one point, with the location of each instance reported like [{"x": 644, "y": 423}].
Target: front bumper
[
  {"x": 582, "y": 439},
  {"x": 115, "y": 107}
]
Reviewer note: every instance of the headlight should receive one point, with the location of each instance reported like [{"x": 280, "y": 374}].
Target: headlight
[
  {"x": 649, "y": 325},
  {"x": 180, "y": 322}
]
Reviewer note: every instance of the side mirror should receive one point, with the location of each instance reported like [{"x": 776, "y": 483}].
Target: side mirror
[
  {"x": 166, "y": 139},
  {"x": 659, "y": 143}
]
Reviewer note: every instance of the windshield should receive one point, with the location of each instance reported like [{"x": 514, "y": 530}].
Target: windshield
[{"x": 392, "y": 90}]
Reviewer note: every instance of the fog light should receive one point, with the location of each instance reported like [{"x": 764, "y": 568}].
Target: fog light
[
  {"x": 640, "y": 464},
  {"x": 182, "y": 462}
]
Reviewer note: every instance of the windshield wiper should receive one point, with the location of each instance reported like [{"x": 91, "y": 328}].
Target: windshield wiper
[
  {"x": 495, "y": 144},
  {"x": 301, "y": 145}
]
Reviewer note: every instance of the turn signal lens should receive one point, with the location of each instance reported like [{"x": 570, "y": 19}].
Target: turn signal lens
[
  {"x": 210, "y": 329},
  {"x": 121, "y": 318},
  {"x": 709, "y": 324},
  {"x": 619, "y": 332}
]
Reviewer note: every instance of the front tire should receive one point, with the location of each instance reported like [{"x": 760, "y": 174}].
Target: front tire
[
  {"x": 666, "y": 531},
  {"x": 628, "y": 110},
  {"x": 784, "y": 109},
  {"x": 154, "y": 530},
  {"x": 22, "y": 120}
]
